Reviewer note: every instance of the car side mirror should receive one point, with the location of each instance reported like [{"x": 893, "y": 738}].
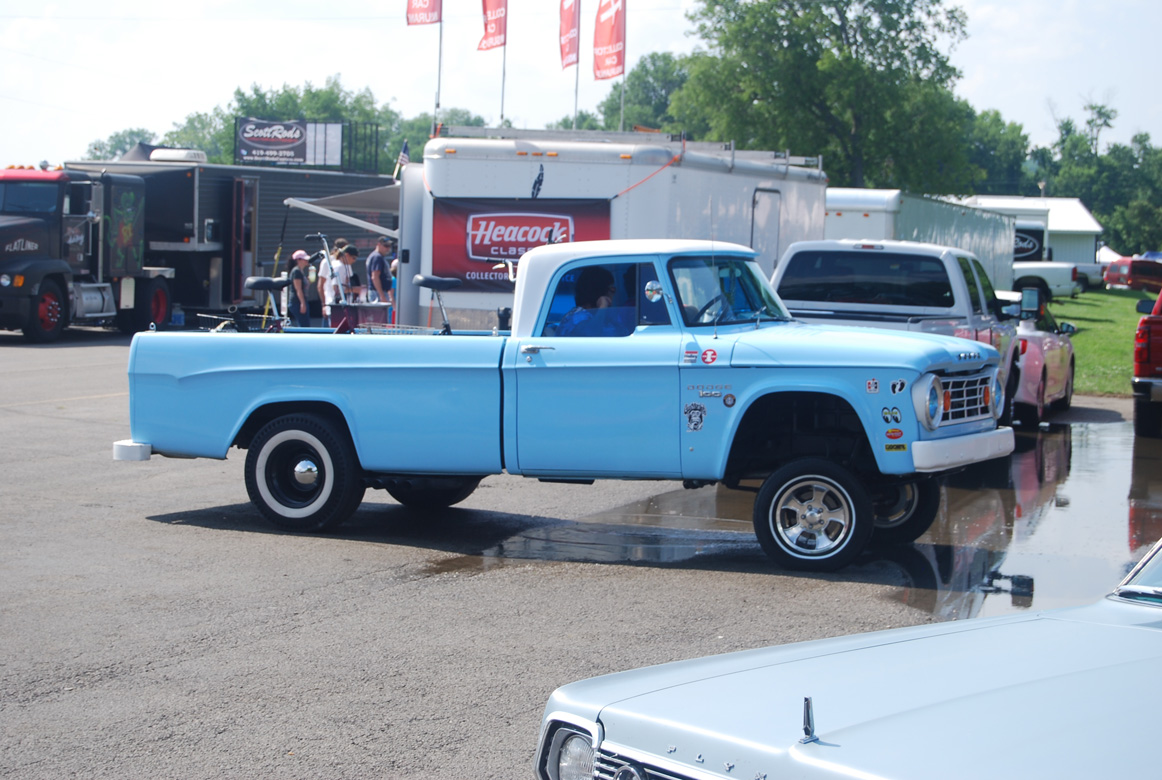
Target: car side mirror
[
  {"x": 1066, "y": 328},
  {"x": 1145, "y": 306}
]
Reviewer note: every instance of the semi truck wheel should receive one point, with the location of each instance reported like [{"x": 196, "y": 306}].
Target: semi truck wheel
[
  {"x": 46, "y": 316},
  {"x": 905, "y": 512},
  {"x": 303, "y": 474},
  {"x": 812, "y": 515},
  {"x": 427, "y": 493}
]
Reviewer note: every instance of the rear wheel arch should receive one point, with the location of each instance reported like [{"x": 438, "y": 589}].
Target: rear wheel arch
[{"x": 264, "y": 414}]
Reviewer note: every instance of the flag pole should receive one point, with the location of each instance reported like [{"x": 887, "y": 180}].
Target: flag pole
[
  {"x": 503, "y": 68},
  {"x": 577, "y": 64},
  {"x": 439, "y": 71}
]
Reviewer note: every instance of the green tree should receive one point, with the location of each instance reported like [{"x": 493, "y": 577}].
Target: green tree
[
  {"x": 836, "y": 77},
  {"x": 648, "y": 87},
  {"x": 118, "y": 144},
  {"x": 998, "y": 150},
  {"x": 586, "y": 120}
]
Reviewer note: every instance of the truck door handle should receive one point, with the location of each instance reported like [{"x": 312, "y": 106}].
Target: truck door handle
[{"x": 532, "y": 349}]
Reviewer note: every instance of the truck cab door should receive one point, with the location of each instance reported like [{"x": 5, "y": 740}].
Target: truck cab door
[{"x": 602, "y": 399}]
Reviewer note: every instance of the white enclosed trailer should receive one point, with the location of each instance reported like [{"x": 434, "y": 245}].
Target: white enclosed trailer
[
  {"x": 475, "y": 203},
  {"x": 895, "y": 215}
]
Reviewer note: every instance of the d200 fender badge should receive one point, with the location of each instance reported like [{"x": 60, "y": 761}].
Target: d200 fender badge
[{"x": 695, "y": 415}]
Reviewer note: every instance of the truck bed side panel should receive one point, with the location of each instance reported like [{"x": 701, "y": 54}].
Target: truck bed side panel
[{"x": 413, "y": 404}]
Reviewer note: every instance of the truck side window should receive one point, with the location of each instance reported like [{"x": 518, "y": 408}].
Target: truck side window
[
  {"x": 990, "y": 294},
  {"x": 970, "y": 281},
  {"x": 594, "y": 300}
]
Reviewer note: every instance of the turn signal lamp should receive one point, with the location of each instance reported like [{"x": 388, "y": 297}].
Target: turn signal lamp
[
  {"x": 1024, "y": 346},
  {"x": 947, "y": 400}
]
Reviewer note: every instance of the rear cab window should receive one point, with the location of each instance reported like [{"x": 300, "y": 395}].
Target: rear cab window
[{"x": 866, "y": 278}]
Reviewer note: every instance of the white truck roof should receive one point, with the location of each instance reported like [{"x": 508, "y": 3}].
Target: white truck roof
[{"x": 538, "y": 266}]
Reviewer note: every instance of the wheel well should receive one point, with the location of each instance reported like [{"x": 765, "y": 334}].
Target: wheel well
[
  {"x": 781, "y": 427},
  {"x": 264, "y": 414}
]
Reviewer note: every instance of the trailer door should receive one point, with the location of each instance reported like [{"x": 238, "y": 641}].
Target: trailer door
[
  {"x": 766, "y": 208},
  {"x": 243, "y": 236}
]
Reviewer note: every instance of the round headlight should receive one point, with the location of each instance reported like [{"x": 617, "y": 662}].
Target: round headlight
[
  {"x": 928, "y": 399},
  {"x": 5, "y": 280},
  {"x": 575, "y": 761}
]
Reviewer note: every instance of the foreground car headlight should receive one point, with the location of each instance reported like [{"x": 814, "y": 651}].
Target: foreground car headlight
[
  {"x": 575, "y": 760},
  {"x": 928, "y": 399}
]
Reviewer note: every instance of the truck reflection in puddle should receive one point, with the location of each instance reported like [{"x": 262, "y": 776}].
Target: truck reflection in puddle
[{"x": 1041, "y": 528}]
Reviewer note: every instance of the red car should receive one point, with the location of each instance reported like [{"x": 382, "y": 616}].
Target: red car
[
  {"x": 1137, "y": 274},
  {"x": 1147, "y": 382}
]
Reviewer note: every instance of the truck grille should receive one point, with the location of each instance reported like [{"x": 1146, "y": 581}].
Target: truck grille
[
  {"x": 607, "y": 764},
  {"x": 967, "y": 398}
]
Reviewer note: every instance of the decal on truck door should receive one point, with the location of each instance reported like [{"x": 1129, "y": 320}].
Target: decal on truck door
[{"x": 469, "y": 237}]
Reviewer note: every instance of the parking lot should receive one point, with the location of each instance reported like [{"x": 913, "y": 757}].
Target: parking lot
[{"x": 155, "y": 624}]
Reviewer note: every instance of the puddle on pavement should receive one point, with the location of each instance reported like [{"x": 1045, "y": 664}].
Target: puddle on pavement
[{"x": 1057, "y": 523}]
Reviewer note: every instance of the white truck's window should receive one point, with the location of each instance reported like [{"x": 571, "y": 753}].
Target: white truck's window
[
  {"x": 866, "y": 277},
  {"x": 603, "y": 300},
  {"x": 970, "y": 282}
]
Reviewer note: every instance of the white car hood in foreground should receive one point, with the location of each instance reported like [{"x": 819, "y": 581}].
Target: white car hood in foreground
[{"x": 1064, "y": 694}]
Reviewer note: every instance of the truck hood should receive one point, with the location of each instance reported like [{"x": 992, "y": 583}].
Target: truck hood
[
  {"x": 22, "y": 236},
  {"x": 800, "y": 344},
  {"x": 1065, "y": 694}
]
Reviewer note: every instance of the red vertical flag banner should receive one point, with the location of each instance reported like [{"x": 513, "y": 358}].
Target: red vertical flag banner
[
  {"x": 424, "y": 11},
  {"x": 609, "y": 40},
  {"x": 495, "y": 24},
  {"x": 570, "y": 32}
]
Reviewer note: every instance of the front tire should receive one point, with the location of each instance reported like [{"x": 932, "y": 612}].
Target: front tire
[
  {"x": 1032, "y": 414},
  {"x": 47, "y": 315},
  {"x": 905, "y": 512},
  {"x": 812, "y": 515},
  {"x": 303, "y": 474},
  {"x": 1063, "y": 403}
]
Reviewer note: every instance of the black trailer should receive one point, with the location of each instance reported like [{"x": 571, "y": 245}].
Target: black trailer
[{"x": 215, "y": 225}]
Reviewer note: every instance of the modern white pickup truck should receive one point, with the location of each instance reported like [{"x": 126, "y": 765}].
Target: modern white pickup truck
[{"x": 903, "y": 285}]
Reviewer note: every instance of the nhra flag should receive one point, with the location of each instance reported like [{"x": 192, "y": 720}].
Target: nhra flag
[
  {"x": 609, "y": 40},
  {"x": 495, "y": 24},
  {"x": 424, "y": 11},
  {"x": 570, "y": 32}
]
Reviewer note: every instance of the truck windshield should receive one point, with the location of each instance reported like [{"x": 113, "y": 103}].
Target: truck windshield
[
  {"x": 723, "y": 290},
  {"x": 28, "y": 197}
]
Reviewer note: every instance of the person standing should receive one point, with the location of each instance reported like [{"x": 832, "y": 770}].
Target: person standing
[
  {"x": 327, "y": 287},
  {"x": 378, "y": 275},
  {"x": 298, "y": 310}
]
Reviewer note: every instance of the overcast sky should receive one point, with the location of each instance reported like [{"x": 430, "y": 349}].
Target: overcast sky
[{"x": 75, "y": 72}]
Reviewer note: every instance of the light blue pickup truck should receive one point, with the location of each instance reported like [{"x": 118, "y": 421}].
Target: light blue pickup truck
[{"x": 635, "y": 359}]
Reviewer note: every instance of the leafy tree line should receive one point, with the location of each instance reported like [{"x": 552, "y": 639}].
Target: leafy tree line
[{"x": 867, "y": 84}]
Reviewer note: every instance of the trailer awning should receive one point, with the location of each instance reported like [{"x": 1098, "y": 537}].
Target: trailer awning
[{"x": 383, "y": 200}]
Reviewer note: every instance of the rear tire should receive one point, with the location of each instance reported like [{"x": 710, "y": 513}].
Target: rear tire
[
  {"x": 152, "y": 304},
  {"x": 47, "y": 314},
  {"x": 812, "y": 515},
  {"x": 1147, "y": 418},
  {"x": 302, "y": 473}
]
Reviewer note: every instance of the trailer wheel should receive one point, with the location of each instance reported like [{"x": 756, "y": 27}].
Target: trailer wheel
[
  {"x": 46, "y": 316},
  {"x": 426, "y": 493},
  {"x": 813, "y": 515},
  {"x": 152, "y": 304},
  {"x": 302, "y": 473}
]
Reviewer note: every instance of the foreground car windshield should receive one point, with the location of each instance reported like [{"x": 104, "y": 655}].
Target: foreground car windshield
[
  {"x": 1145, "y": 583},
  {"x": 723, "y": 290}
]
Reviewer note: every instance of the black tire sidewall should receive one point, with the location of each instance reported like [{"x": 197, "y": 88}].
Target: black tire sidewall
[
  {"x": 924, "y": 511},
  {"x": 343, "y": 486},
  {"x": 33, "y": 330},
  {"x": 859, "y": 505}
]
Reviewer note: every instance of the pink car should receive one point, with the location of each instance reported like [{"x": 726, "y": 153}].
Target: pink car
[{"x": 1045, "y": 361}]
